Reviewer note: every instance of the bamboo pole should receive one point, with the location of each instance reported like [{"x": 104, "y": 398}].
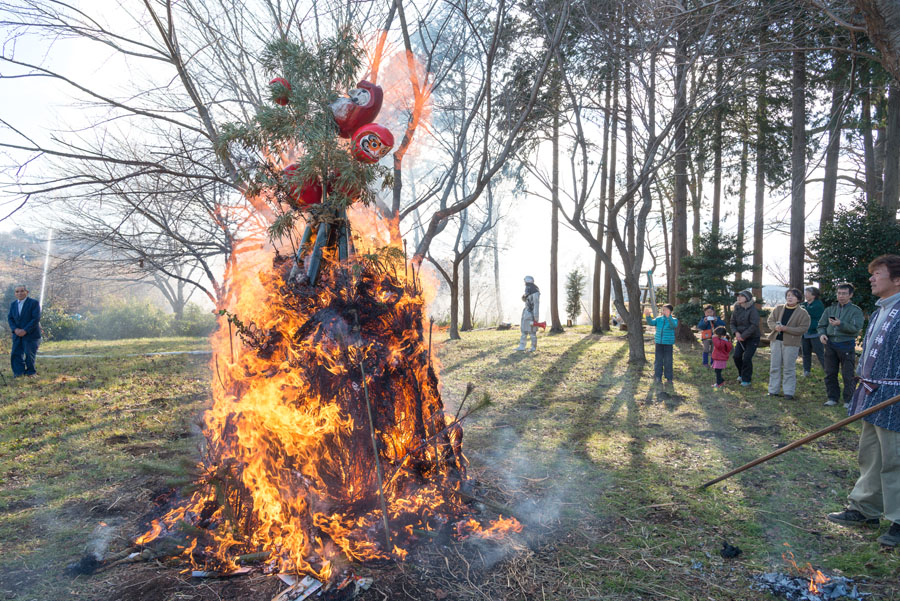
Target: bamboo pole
[{"x": 806, "y": 439}]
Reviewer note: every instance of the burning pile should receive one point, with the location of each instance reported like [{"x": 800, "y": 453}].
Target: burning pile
[
  {"x": 810, "y": 584},
  {"x": 308, "y": 381}
]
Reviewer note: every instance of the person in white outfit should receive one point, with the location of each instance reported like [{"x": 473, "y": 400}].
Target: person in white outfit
[{"x": 532, "y": 299}]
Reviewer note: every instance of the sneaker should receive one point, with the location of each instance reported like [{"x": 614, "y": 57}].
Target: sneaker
[
  {"x": 891, "y": 538},
  {"x": 806, "y": 374},
  {"x": 789, "y": 397},
  {"x": 745, "y": 383},
  {"x": 718, "y": 386},
  {"x": 520, "y": 348},
  {"x": 531, "y": 350},
  {"x": 830, "y": 403},
  {"x": 851, "y": 517},
  {"x": 772, "y": 394},
  {"x": 847, "y": 406},
  {"x": 740, "y": 381}
]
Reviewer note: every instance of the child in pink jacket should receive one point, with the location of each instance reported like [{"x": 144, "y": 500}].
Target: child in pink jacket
[{"x": 721, "y": 351}]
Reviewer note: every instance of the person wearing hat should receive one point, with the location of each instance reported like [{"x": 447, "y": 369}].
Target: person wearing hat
[
  {"x": 745, "y": 325},
  {"x": 532, "y": 299},
  {"x": 665, "y": 325}
]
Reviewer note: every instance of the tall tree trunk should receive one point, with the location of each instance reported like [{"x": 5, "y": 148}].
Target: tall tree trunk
[
  {"x": 696, "y": 173},
  {"x": 879, "y": 146},
  {"x": 495, "y": 235},
  {"x": 596, "y": 313},
  {"x": 798, "y": 167},
  {"x": 832, "y": 151},
  {"x": 629, "y": 157},
  {"x": 759, "y": 213},
  {"x": 454, "y": 302},
  {"x": 610, "y": 202},
  {"x": 717, "y": 155},
  {"x": 467, "y": 324},
  {"x": 555, "y": 324},
  {"x": 679, "y": 210},
  {"x": 868, "y": 145},
  {"x": 742, "y": 201},
  {"x": 891, "y": 193}
]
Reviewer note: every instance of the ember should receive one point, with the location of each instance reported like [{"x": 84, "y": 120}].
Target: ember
[
  {"x": 314, "y": 379},
  {"x": 797, "y": 588},
  {"x": 810, "y": 585}
]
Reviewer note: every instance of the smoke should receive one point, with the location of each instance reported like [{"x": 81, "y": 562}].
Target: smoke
[{"x": 539, "y": 484}]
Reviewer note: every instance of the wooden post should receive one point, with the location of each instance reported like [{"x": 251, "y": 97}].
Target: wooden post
[{"x": 315, "y": 260}]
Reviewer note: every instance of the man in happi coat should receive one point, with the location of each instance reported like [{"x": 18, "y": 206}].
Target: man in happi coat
[{"x": 877, "y": 491}]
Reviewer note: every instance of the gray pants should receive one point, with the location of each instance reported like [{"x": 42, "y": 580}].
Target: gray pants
[
  {"x": 527, "y": 328},
  {"x": 877, "y": 490},
  {"x": 783, "y": 368}
]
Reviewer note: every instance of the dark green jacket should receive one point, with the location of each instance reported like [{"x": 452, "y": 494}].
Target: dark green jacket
[
  {"x": 851, "y": 318},
  {"x": 815, "y": 310}
]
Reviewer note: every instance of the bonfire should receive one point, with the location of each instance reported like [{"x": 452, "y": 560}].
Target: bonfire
[{"x": 327, "y": 441}]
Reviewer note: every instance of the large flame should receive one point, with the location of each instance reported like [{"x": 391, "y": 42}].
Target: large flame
[{"x": 291, "y": 471}]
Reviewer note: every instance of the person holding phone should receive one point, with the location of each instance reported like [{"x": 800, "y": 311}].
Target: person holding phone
[{"x": 838, "y": 328}]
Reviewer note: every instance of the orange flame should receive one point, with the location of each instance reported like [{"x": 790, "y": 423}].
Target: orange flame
[{"x": 816, "y": 578}]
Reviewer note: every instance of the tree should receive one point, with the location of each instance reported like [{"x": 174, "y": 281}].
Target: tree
[
  {"x": 844, "y": 249},
  {"x": 574, "y": 290},
  {"x": 712, "y": 273}
]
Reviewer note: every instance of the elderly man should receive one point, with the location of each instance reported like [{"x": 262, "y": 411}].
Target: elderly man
[
  {"x": 877, "y": 491},
  {"x": 24, "y": 321}
]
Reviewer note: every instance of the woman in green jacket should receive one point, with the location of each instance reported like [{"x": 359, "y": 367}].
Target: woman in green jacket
[{"x": 811, "y": 343}]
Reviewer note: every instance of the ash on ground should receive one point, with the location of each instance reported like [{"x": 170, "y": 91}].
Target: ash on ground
[{"x": 795, "y": 588}]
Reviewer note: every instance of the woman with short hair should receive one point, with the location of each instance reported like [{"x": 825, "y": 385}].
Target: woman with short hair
[{"x": 788, "y": 322}]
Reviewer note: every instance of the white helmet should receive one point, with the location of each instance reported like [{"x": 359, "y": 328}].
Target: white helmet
[{"x": 529, "y": 279}]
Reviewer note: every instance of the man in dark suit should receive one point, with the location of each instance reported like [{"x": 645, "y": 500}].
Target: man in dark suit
[{"x": 24, "y": 321}]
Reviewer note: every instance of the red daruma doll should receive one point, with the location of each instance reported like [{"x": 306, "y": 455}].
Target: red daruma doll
[
  {"x": 371, "y": 142},
  {"x": 358, "y": 108}
]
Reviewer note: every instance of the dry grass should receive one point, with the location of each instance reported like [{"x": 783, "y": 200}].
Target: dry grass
[{"x": 603, "y": 466}]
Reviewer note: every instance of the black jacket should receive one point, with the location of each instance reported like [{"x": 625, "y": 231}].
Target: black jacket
[{"x": 745, "y": 321}]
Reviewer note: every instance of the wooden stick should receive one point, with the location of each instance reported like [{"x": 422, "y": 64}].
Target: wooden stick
[
  {"x": 806, "y": 439},
  {"x": 430, "y": 330},
  {"x": 378, "y": 473}
]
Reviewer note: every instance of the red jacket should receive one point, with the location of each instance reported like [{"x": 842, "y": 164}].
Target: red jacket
[{"x": 721, "y": 348}]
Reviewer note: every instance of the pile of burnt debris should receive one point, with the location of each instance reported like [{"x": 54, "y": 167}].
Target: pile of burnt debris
[{"x": 797, "y": 588}]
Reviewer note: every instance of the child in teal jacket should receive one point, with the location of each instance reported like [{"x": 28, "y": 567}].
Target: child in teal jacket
[{"x": 665, "y": 340}]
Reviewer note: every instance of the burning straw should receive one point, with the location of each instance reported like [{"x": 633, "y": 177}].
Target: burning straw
[{"x": 331, "y": 384}]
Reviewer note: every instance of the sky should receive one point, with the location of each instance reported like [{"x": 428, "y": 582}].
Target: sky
[{"x": 41, "y": 107}]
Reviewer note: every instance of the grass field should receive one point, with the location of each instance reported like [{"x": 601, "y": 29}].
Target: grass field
[{"x": 603, "y": 464}]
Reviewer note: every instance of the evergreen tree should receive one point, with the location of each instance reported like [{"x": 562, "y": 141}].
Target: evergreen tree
[
  {"x": 574, "y": 290},
  {"x": 844, "y": 249},
  {"x": 304, "y": 131},
  {"x": 709, "y": 275}
]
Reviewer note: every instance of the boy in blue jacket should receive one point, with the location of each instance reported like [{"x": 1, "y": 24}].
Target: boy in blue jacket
[{"x": 665, "y": 340}]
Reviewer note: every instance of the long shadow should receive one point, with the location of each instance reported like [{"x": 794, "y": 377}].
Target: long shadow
[{"x": 488, "y": 352}]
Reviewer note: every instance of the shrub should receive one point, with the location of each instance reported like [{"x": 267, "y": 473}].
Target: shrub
[
  {"x": 845, "y": 247},
  {"x": 194, "y": 322},
  {"x": 127, "y": 320},
  {"x": 56, "y": 324}
]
